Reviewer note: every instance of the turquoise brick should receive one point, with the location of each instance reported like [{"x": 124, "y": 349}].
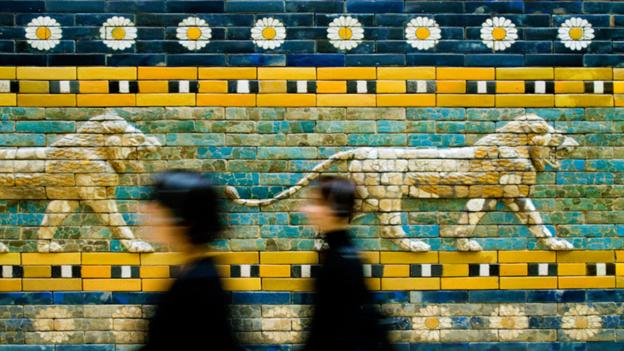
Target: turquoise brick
[
  {"x": 346, "y": 126},
  {"x": 23, "y": 139},
  {"x": 604, "y": 114},
  {"x": 490, "y": 114},
  {"x": 177, "y": 139},
  {"x": 585, "y": 178},
  {"x": 280, "y": 178},
  {"x": 169, "y": 126},
  {"x": 559, "y": 114},
  {"x": 391, "y": 126},
  {"x": 433, "y": 113},
  {"x": 286, "y": 126},
  {"x": 227, "y": 152},
  {"x": 465, "y": 127},
  {"x": 443, "y": 140},
  {"x": 605, "y": 165},
  {"x": 377, "y": 139},
  {"x": 6, "y": 126},
  {"x": 579, "y": 127},
  {"x": 572, "y": 165},
  {"x": 285, "y": 231},
  {"x": 287, "y": 153},
  {"x": 132, "y": 192}
]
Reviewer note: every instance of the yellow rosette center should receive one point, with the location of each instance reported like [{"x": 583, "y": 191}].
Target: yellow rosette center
[
  {"x": 43, "y": 33},
  {"x": 499, "y": 33},
  {"x": 345, "y": 33},
  {"x": 576, "y": 33},
  {"x": 118, "y": 33},
  {"x": 193, "y": 33},
  {"x": 269, "y": 33},
  {"x": 422, "y": 33}
]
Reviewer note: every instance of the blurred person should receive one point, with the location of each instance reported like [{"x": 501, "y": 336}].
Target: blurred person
[
  {"x": 344, "y": 316},
  {"x": 184, "y": 213}
]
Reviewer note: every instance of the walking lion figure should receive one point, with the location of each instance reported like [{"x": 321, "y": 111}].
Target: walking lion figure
[
  {"x": 80, "y": 168},
  {"x": 498, "y": 167}
]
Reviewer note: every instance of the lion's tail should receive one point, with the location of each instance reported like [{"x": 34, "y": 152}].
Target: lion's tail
[{"x": 232, "y": 193}]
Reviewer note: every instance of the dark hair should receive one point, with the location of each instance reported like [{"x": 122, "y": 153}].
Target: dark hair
[
  {"x": 338, "y": 193},
  {"x": 192, "y": 200}
]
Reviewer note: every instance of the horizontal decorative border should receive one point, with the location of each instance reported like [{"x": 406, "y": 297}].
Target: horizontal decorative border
[
  {"x": 293, "y": 271},
  {"x": 303, "y": 87}
]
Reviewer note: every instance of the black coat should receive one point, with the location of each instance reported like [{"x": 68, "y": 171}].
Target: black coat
[
  {"x": 193, "y": 314},
  {"x": 344, "y": 318}
]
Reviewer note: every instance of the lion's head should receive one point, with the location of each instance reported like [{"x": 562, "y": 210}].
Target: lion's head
[{"x": 545, "y": 143}]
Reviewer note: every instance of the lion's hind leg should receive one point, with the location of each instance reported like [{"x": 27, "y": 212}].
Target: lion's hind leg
[
  {"x": 3, "y": 248},
  {"x": 55, "y": 214},
  {"x": 475, "y": 209}
]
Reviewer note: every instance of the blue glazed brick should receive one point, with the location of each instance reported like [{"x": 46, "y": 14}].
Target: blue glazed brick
[
  {"x": 553, "y": 7},
  {"x": 45, "y": 126},
  {"x": 539, "y": 33},
  {"x": 76, "y": 60},
  {"x": 596, "y": 47},
  {"x": 136, "y": 6},
  {"x": 304, "y": 298},
  {"x": 605, "y": 295},
  {"x": 135, "y": 60},
  {"x": 365, "y": 47},
  {"x": 318, "y": 60},
  {"x": 494, "y": 60},
  {"x": 11, "y": 32},
  {"x": 390, "y": 296},
  {"x": 595, "y": 20},
  {"x": 256, "y": 60},
  {"x": 427, "y": 7},
  {"x": 603, "y": 7},
  {"x": 9, "y": 46},
  {"x": 503, "y": 7},
  {"x": 555, "y": 346},
  {"x": 195, "y": 6},
  {"x": 556, "y": 60},
  {"x": 556, "y": 296},
  {"x": 306, "y": 33},
  {"x": 65, "y": 46},
  {"x": 22, "y": 6},
  {"x": 374, "y": 6},
  {"x": 293, "y": 47},
  {"x": 95, "y": 298},
  {"x": 85, "y": 347},
  {"x": 27, "y": 348},
  {"x": 434, "y": 60},
  {"x": 26, "y": 298},
  {"x": 450, "y": 20},
  {"x": 488, "y": 346},
  {"x": 441, "y": 296},
  {"x": 326, "y": 6},
  {"x": 489, "y": 296},
  {"x": 463, "y": 46},
  {"x": 605, "y": 346},
  {"x": 323, "y": 20},
  {"x": 254, "y": 6},
  {"x": 76, "y": 6},
  {"x": 375, "y": 60},
  {"x": 135, "y": 298},
  {"x": 544, "y": 322},
  {"x": 261, "y": 298},
  {"x": 603, "y": 60},
  {"x": 62, "y": 18},
  {"x": 295, "y": 19}
]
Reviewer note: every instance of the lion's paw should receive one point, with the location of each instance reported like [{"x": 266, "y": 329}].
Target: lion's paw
[
  {"x": 557, "y": 244},
  {"x": 137, "y": 246},
  {"x": 55, "y": 247},
  {"x": 3, "y": 248},
  {"x": 468, "y": 245},
  {"x": 419, "y": 245},
  {"x": 49, "y": 246}
]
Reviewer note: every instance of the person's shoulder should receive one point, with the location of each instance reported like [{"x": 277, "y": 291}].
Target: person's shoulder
[{"x": 202, "y": 268}]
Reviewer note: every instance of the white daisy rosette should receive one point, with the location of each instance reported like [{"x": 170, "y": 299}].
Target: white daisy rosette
[
  {"x": 422, "y": 33},
  {"x": 43, "y": 33},
  {"x": 510, "y": 320},
  {"x": 118, "y": 33},
  {"x": 430, "y": 321},
  {"x": 581, "y": 322},
  {"x": 498, "y": 33},
  {"x": 576, "y": 33},
  {"x": 268, "y": 33},
  {"x": 193, "y": 33},
  {"x": 345, "y": 33}
]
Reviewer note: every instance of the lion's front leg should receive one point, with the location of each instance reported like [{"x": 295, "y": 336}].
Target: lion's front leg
[
  {"x": 475, "y": 209},
  {"x": 393, "y": 230},
  {"x": 527, "y": 213},
  {"x": 55, "y": 214},
  {"x": 3, "y": 248}
]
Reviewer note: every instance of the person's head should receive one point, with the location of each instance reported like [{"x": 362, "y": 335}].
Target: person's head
[
  {"x": 332, "y": 203},
  {"x": 183, "y": 209}
]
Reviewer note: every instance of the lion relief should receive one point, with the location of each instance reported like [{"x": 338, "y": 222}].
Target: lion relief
[
  {"x": 499, "y": 167},
  {"x": 78, "y": 169}
]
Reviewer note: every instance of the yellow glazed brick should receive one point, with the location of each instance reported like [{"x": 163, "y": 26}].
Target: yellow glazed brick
[
  {"x": 571, "y": 269},
  {"x": 619, "y": 269},
  {"x": 619, "y": 256},
  {"x": 10, "y": 258},
  {"x": 110, "y": 73},
  {"x": 346, "y": 100},
  {"x": 11, "y": 284},
  {"x": 46, "y": 100},
  {"x": 286, "y": 100},
  {"x": 480, "y": 73},
  {"x": 618, "y": 87},
  {"x": 37, "y": 271},
  {"x": 34, "y": 86},
  {"x": 468, "y": 257},
  {"x": 618, "y": 100},
  {"x": 451, "y": 86},
  {"x": 466, "y": 100},
  {"x": 234, "y": 284},
  {"x": 526, "y": 256},
  {"x": 408, "y": 257},
  {"x": 96, "y": 271},
  {"x": 223, "y": 271},
  {"x": 373, "y": 283},
  {"x": 156, "y": 284},
  {"x": 8, "y": 99},
  {"x": 33, "y": 258},
  {"x": 46, "y": 73},
  {"x": 165, "y": 99},
  {"x": 526, "y": 73},
  {"x": 334, "y": 73},
  {"x": 586, "y": 282},
  {"x": 590, "y": 256},
  {"x": 7, "y": 72},
  {"x": 55, "y": 284},
  {"x": 455, "y": 270},
  {"x": 583, "y": 100},
  {"x": 111, "y": 284},
  {"x": 331, "y": 87},
  {"x": 619, "y": 282},
  {"x": 370, "y": 256},
  {"x": 396, "y": 270},
  {"x": 250, "y": 257},
  {"x": 213, "y": 86},
  {"x": 106, "y": 100},
  {"x": 239, "y": 100},
  {"x": 391, "y": 86},
  {"x": 163, "y": 259},
  {"x": 287, "y": 284},
  {"x": 618, "y": 73},
  {"x": 100, "y": 258},
  {"x": 528, "y": 282},
  {"x": 272, "y": 86},
  {"x": 509, "y": 87},
  {"x": 154, "y": 272},
  {"x": 227, "y": 73},
  {"x": 293, "y": 257},
  {"x": 406, "y": 100},
  {"x": 93, "y": 86},
  {"x": 406, "y": 73},
  {"x": 562, "y": 87},
  {"x": 469, "y": 283},
  {"x": 275, "y": 270},
  {"x": 153, "y": 86},
  {"x": 167, "y": 73},
  {"x": 583, "y": 73},
  {"x": 513, "y": 269},
  {"x": 290, "y": 73},
  {"x": 410, "y": 283}
]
